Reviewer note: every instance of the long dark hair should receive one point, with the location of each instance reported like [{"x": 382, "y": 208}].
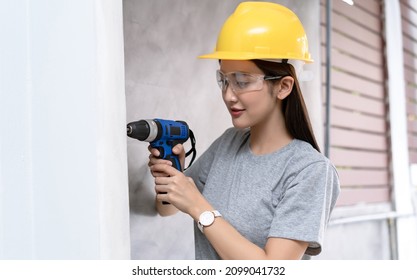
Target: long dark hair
[{"x": 294, "y": 109}]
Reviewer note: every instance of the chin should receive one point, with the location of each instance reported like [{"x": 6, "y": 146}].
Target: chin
[{"x": 239, "y": 124}]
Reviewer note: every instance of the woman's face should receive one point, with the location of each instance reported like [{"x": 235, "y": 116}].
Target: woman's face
[{"x": 249, "y": 108}]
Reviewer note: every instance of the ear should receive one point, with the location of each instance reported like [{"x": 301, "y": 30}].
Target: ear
[{"x": 284, "y": 87}]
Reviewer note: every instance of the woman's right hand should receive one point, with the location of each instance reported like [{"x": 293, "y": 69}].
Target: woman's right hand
[{"x": 164, "y": 209}]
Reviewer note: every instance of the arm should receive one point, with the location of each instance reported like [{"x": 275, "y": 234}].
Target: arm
[
  {"x": 229, "y": 244},
  {"x": 226, "y": 240}
]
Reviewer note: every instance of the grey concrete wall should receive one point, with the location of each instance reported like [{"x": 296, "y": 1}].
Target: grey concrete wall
[
  {"x": 164, "y": 79},
  {"x": 359, "y": 239}
]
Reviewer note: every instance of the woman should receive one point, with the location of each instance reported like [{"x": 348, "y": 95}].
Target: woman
[{"x": 262, "y": 190}]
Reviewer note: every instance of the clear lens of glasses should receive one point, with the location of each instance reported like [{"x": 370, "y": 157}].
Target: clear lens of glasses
[{"x": 241, "y": 82}]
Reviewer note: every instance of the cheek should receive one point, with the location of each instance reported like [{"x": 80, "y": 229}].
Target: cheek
[{"x": 261, "y": 103}]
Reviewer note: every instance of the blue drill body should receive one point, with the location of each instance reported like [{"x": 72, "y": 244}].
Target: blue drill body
[{"x": 162, "y": 135}]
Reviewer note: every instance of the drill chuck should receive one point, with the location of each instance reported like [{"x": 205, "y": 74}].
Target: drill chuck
[{"x": 143, "y": 130}]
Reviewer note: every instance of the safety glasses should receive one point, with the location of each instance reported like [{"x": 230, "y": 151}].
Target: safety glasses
[{"x": 241, "y": 82}]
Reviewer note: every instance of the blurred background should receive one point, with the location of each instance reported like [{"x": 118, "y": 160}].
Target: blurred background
[{"x": 72, "y": 186}]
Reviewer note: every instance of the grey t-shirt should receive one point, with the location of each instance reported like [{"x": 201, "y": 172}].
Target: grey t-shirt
[{"x": 289, "y": 193}]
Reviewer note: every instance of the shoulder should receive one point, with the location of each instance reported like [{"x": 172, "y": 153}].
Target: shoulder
[
  {"x": 304, "y": 148},
  {"x": 305, "y": 158},
  {"x": 304, "y": 152}
]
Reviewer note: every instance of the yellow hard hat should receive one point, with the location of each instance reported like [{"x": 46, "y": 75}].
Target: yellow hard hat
[{"x": 261, "y": 30}]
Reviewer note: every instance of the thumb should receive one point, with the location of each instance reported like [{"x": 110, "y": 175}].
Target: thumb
[
  {"x": 178, "y": 149},
  {"x": 180, "y": 152}
]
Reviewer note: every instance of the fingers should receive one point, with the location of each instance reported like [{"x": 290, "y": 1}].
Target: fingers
[
  {"x": 164, "y": 168},
  {"x": 179, "y": 190},
  {"x": 162, "y": 197},
  {"x": 162, "y": 181},
  {"x": 167, "y": 188},
  {"x": 162, "y": 188},
  {"x": 154, "y": 159},
  {"x": 154, "y": 151},
  {"x": 179, "y": 150},
  {"x": 158, "y": 174}
]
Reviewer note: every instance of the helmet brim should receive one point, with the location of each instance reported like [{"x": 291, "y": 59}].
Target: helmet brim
[{"x": 248, "y": 56}]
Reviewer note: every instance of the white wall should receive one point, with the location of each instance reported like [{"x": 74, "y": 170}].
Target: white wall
[
  {"x": 402, "y": 193},
  {"x": 63, "y": 179}
]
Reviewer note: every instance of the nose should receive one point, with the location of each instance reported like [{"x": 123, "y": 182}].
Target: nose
[{"x": 229, "y": 95}]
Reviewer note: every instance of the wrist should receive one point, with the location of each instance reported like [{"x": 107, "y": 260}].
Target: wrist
[{"x": 199, "y": 208}]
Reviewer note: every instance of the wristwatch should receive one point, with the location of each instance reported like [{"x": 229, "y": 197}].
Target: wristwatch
[{"x": 207, "y": 219}]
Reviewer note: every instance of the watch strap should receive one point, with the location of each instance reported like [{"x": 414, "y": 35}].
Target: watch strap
[{"x": 216, "y": 213}]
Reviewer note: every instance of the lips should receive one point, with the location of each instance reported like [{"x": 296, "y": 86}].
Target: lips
[{"x": 236, "y": 112}]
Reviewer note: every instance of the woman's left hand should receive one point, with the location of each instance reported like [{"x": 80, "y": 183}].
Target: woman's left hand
[{"x": 178, "y": 189}]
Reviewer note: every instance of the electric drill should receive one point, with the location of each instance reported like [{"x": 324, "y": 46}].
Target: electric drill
[{"x": 162, "y": 135}]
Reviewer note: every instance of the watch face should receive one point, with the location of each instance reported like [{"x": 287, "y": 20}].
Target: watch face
[{"x": 206, "y": 218}]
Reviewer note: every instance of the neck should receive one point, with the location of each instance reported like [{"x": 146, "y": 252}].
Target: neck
[{"x": 269, "y": 136}]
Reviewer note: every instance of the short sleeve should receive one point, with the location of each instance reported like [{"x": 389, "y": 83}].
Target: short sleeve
[{"x": 304, "y": 207}]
